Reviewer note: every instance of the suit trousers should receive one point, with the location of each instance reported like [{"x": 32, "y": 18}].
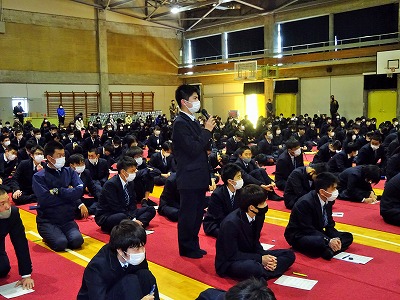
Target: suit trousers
[
  {"x": 244, "y": 269},
  {"x": 144, "y": 215},
  {"x": 315, "y": 245},
  {"x": 392, "y": 216},
  {"x": 4, "y": 263},
  {"x": 25, "y": 199},
  {"x": 134, "y": 286},
  {"x": 170, "y": 212},
  {"x": 60, "y": 237},
  {"x": 189, "y": 220}
]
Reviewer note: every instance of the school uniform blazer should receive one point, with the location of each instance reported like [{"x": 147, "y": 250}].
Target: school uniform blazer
[
  {"x": 6, "y": 168},
  {"x": 22, "y": 178},
  {"x": 323, "y": 155},
  {"x": 157, "y": 162},
  {"x": 170, "y": 195},
  {"x": 153, "y": 145},
  {"x": 265, "y": 147},
  {"x": 390, "y": 198},
  {"x": 297, "y": 185},
  {"x": 232, "y": 146},
  {"x": 306, "y": 219},
  {"x": 88, "y": 183},
  {"x": 367, "y": 156},
  {"x": 284, "y": 166},
  {"x": 352, "y": 185},
  {"x": 340, "y": 162},
  {"x": 103, "y": 272},
  {"x": 251, "y": 166},
  {"x": 14, "y": 227},
  {"x": 190, "y": 150},
  {"x": 88, "y": 144},
  {"x": 100, "y": 171},
  {"x": 219, "y": 207},
  {"x": 112, "y": 200},
  {"x": 238, "y": 241}
]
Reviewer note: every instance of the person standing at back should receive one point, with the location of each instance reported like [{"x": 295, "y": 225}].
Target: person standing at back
[
  {"x": 190, "y": 143},
  {"x": 334, "y": 107},
  {"x": 61, "y": 115}
]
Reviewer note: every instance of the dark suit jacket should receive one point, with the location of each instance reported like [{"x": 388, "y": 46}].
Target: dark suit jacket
[
  {"x": 88, "y": 144},
  {"x": 306, "y": 219},
  {"x": 13, "y": 226},
  {"x": 212, "y": 294},
  {"x": 112, "y": 200},
  {"x": 154, "y": 143},
  {"x": 251, "y": 166},
  {"x": 297, "y": 185},
  {"x": 232, "y": 146},
  {"x": 170, "y": 195},
  {"x": 99, "y": 171},
  {"x": 340, "y": 162},
  {"x": 22, "y": 178},
  {"x": 190, "y": 150},
  {"x": 265, "y": 147},
  {"x": 41, "y": 141},
  {"x": 103, "y": 272},
  {"x": 157, "y": 162},
  {"x": 20, "y": 144},
  {"x": 238, "y": 241},
  {"x": 367, "y": 156},
  {"x": 352, "y": 185},
  {"x": 219, "y": 207},
  {"x": 284, "y": 165},
  {"x": 6, "y": 167},
  {"x": 393, "y": 166},
  {"x": 390, "y": 198},
  {"x": 88, "y": 183},
  {"x": 323, "y": 155}
]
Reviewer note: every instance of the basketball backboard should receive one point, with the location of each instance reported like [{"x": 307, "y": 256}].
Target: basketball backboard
[
  {"x": 388, "y": 62},
  {"x": 246, "y": 70}
]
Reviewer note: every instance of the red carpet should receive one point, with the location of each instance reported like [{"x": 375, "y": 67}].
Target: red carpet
[{"x": 51, "y": 272}]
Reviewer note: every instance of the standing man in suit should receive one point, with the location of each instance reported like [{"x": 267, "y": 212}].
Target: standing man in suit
[
  {"x": 334, "y": 107},
  {"x": 19, "y": 112},
  {"x": 11, "y": 223},
  {"x": 289, "y": 160},
  {"x": 190, "y": 143},
  {"x": 119, "y": 271},
  {"x": 57, "y": 190},
  {"x": 118, "y": 199},
  {"x": 22, "y": 179},
  {"x": 239, "y": 253},
  {"x": 224, "y": 199},
  {"x": 311, "y": 229}
]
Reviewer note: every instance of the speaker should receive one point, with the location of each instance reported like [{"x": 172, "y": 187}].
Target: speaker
[{"x": 329, "y": 69}]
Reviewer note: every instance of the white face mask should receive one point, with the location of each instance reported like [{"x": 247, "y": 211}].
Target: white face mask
[
  {"x": 131, "y": 177},
  {"x": 374, "y": 147},
  {"x": 353, "y": 137},
  {"x": 139, "y": 160},
  {"x": 39, "y": 158},
  {"x": 80, "y": 169},
  {"x": 136, "y": 258},
  {"x": 5, "y": 214},
  {"x": 297, "y": 152},
  {"x": 70, "y": 137},
  {"x": 7, "y": 143},
  {"x": 11, "y": 157},
  {"x": 278, "y": 132},
  {"x": 238, "y": 184},
  {"x": 195, "y": 106},
  {"x": 60, "y": 162},
  {"x": 19, "y": 137},
  {"x": 270, "y": 136},
  {"x": 333, "y": 195},
  {"x": 38, "y": 136},
  {"x": 93, "y": 160},
  {"x": 166, "y": 154}
]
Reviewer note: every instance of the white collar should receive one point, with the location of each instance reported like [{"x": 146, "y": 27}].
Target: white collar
[
  {"x": 122, "y": 181},
  {"x": 322, "y": 202},
  {"x": 190, "y": 116},
  {"x": 230, "y": 193},
  {"x": 250, "y": 219}
]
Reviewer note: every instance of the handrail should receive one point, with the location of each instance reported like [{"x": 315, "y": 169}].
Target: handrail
[{"x": 369, "y": 40}]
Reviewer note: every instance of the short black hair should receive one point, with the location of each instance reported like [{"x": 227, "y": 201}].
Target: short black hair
[
  {"x": 351, "y": 147},
  {"x": 76, "y": 159},
  {"x": 319, "y": 168},
  {"x": 166, "y": 146},
  {"x": 125, "y": 162},
  {"x": 51, "y": 147},
  {"x": 109, "y": 148},
  {"x": 12, "y": 147},
  {"x": 250, "y": 289},
  {"x": 337, "y": 145},
  {"x": 133, "y": 151},
  {"x": 3, "y": 137},
  {"x": 30, "y": 144},
  {"x": 242, "y": 149},
  {"x": 229, "y": 171},
  {"x": 95, "y": 150},
  {"x": 33, "y": 149},
  {"x": 376, "y": 137},
  {"x": 185, "y": 91},
  {"x": 127, "y": 234},
  {"x": 130, "y": 139},
  {"x": 292, "y": 143},
  {"x": 252, "y": 194},
  {"x": 324, "y": 181},
  {"x": 371, "y": 172}
]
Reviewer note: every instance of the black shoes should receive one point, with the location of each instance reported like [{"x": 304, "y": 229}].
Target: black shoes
[{"x": 328, "y": 254}]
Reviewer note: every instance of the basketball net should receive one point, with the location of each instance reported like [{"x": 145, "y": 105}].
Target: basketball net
[{"x": 391, "y": 72}]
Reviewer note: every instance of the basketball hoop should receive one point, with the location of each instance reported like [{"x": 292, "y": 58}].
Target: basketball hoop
[{"x": 391, "y": 72}]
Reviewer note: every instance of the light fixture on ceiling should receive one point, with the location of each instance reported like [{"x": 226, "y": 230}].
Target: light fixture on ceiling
[{"x": 175, "y": 9}]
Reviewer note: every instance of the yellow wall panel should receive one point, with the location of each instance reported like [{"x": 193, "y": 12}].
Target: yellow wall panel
[
  {"x": 52, "y": 49},
  {"x": 382, "y": 105},
  {"x": 285, "y": 104}
]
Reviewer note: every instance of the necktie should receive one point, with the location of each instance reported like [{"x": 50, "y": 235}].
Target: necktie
[
  {"x": 126, "y": 194},
  {"x": 324, "y": 215},
  {"x": 232, "y": 199},
  {"x": 164, "y": 161},
  {"x": 294, "y": 162}
]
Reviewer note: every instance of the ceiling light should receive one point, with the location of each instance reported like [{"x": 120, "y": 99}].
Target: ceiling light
[{"x": 175, "y": 9}]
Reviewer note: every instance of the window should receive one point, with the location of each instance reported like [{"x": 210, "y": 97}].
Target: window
[
  {"x": 245, "y": 41},
  {"x": 206, "y": 47}
]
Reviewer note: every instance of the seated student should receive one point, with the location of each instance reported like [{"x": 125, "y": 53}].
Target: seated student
[
  {"x": 8, "y": 162},
  {"x": 49, "y": 136},
  {"x": 301, "y": 136},
  {"x": 311, "y": 229},
  {"x": 11, "y": 223},
  {"x": 289, "y": 160},
  {"x": 119, "y": 271},
  {"x": 98, "y": 168},
  {"x": 164, "y": 162},
  {"x": 239, "y": 253},
  {"x": 57, "y": 190},
  {"x": 248, "y": 289},
  {"x": 18, "y": 139},
  {"x": 355, "y": 183},
  {"x": 70, "y": 137},
  {"x": 327, "y": 137},
  {"x": 37, "y": 137},
  {"x": 265, "y": 145},
  {"x": 253, "y": 174},
  {"x": 224, "y": 199},
  {"x": 91, "y": 142},
  {"x": 300, "y": 182},
  {"x": 170, "y": 200},
  {"x": 312, "y": 134},
  {"x": 326, "y": 151},
  {"x": 154, "y": 142},
  {"x": 87, "y": 205},
  {"x": 5, "y": 142},
  {"x": 370, "y": 153},
  {"x": 22, "y": 178},
  {"x": 25, "y": 153},
  {"x": 393, "y": 165},
  {"x": 390, "y": 201},
  {"x": 344, "y": 159},
  {"x": 107, "y": 152},
  {"x": 118, "y": 199},
  {"x": 116, "y": 153},
  {"x": 144, "y": 183},
  {"x": 234, "y": 143}
]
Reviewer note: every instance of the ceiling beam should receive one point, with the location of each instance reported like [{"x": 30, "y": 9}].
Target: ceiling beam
[
  {"x": 119, "y": 3},
  {"x": 193, "y": 6},
  {"x": 250, "y": 5},
  {"x": 202, "y": 18}
]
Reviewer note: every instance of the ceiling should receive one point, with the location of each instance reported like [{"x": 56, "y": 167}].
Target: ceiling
[{"x": 196, "y": 14}]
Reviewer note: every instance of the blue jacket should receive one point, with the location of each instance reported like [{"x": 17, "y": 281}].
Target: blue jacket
[
  {"x": 57, "y": 209},
  {"x": 61, "y": 112}
]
